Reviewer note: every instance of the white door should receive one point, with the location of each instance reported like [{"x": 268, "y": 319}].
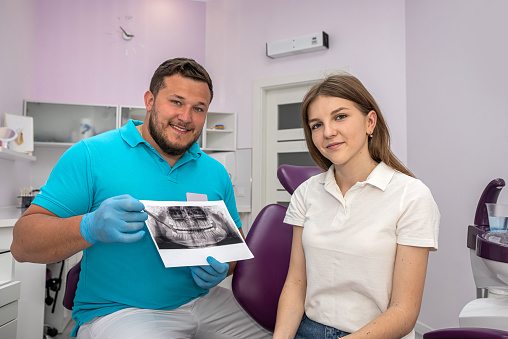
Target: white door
[
  {"x": 285, "y": 140},
  {"x": 277, "y": 132}
]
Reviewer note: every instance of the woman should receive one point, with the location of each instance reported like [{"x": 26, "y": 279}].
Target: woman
[{"x": 362, "y": 230}]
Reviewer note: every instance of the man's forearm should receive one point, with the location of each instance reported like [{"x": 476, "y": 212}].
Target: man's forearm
[{"x": 42, "y": 238}]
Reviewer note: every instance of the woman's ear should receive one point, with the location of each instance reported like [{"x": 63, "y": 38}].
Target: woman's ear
[{"x": 371, "y": 121}]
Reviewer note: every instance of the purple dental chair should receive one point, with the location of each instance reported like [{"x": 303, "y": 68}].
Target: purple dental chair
[
  {"x": 466, "y": 333},
  {"x": 72, "y": 285},
  {"x": 257, "y": 283}
]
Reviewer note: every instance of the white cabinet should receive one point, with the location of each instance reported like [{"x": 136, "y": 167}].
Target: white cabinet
[
  {"x": 9, "y": 295},
  {"x": 61, "y": 124},
  {"x": 6, "y": 266},
  {"x": 219, "y": 132},
  {"x": 65, "y": 124},
  {"x": 58, "y": 126},
  {"x": 128, "y": 112},
  {"x": 27, "y": 285}
]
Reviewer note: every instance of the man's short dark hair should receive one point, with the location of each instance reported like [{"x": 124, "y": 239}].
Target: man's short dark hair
[{"x": 187, "y": 68}]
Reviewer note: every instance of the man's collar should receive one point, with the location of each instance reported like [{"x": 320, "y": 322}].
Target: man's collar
[
  {"x": 132, "y": 137},
  {"x": 130, "y": 133}
]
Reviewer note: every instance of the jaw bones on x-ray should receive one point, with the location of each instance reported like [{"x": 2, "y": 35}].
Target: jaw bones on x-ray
[
  {"x": 189, "y": 226},
  {"x": 187, "y": 232}
]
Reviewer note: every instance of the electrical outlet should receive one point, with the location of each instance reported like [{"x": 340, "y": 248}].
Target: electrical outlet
[{"x": 240, "y": 191}]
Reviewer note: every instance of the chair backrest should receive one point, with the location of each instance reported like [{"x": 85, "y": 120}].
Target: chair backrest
[
  {"x": 291, "y": 176},
  {"x": 466, "y": 333},
  {"x": 258, "y": 282},
  {"x": 71, "y": 286}
]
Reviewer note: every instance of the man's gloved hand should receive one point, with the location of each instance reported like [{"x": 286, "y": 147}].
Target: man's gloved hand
[
  {"x": 208, "y": 276},
  {"x": 118, "y": 219}
]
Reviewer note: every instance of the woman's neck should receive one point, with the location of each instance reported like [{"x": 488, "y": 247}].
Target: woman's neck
[{"x": 347, "y": 175}]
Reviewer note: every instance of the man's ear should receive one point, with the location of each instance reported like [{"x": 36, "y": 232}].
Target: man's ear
[{"x": 149, "y": 100}]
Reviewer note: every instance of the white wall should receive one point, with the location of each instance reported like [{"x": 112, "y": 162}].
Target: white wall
[
  {"x": 368, "y": 36},
  {"x": 17, "y": 47},
  {"x": 457, "y": 85}
]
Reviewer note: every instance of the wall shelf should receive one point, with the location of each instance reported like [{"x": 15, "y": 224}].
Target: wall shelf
[
  {"x": 8, "y": 154},
  {"x": 53, "y": 144},
  {"x": 211, "y": 130},
  {"x": 214, "y": 139}
]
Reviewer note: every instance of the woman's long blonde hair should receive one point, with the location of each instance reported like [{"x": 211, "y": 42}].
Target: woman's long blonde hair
[{"x": 346, "y": 86}]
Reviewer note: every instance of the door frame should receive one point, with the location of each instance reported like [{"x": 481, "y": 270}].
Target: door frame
[{"x": 260, "y": 89}]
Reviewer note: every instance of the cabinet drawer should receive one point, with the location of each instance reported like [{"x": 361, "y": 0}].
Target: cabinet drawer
[
  {"x": 8, "y": 331},
  {"x": 6, "y": 267},
  {"x": 9, "y": 292},
  {"x": 8, "y": 312}
]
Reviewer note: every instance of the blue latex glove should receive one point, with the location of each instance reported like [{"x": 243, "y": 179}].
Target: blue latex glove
[
  {"x": 118, "y": 219},
  {"x": 208, "y": 276}
]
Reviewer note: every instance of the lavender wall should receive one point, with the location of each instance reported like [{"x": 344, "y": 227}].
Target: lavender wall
[
  {"x": 72, "y": 51},
  {"x": 16, "y": 65},
  {"x": 367, "y": 36},
  {"x": 457, "y": 80},
  {"x": 82, "y": 58}
]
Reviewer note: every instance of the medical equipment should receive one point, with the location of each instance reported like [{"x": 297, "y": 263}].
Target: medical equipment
[
  {"x": 485, "y": 317},
  {"x": 489, "y": 262},
  {"x": 7, "y": 134}
]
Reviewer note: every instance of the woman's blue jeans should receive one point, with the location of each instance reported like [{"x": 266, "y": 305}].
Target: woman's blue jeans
[{"x": 310, "y": 329}]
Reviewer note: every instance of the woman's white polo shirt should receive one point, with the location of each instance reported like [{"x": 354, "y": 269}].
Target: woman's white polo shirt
[{"x": 350, "y": 241}]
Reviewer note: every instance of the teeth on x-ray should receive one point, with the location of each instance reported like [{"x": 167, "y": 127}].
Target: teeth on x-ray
[{"x": 189, "y": 227}]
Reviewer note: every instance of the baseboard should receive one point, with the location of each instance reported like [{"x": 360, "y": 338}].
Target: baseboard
[{"x": 421, "y": 329}]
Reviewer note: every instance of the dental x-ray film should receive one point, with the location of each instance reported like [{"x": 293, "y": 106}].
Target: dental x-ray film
[{"x": 187, "y": 232}]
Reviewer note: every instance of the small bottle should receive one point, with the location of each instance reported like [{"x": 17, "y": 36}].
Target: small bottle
[{"x": 86, "y": 128}]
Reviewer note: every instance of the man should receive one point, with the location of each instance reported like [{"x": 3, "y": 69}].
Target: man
[{"x": 90, "y": 203}]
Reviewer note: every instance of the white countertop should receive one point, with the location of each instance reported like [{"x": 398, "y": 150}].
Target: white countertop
[{"x": 9, "y": 215}]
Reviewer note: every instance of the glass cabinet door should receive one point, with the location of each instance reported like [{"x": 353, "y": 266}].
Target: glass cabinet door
[
  {"x": 134, "y": 113},
  {"x": 69, "y": 123},
  {"x": 290, "y": 143}
]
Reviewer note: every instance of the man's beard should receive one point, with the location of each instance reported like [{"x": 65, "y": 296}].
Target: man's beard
[{"x": 157, "y": 132}]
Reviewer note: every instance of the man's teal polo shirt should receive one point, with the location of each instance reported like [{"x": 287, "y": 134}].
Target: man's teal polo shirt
[{"x": 116, "y": 276}]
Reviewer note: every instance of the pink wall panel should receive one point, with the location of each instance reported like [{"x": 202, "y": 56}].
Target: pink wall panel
[{"x": 81, "y": 56}]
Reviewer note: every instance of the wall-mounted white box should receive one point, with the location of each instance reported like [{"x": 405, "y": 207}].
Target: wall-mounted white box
[{"x": 301, "y": 44}]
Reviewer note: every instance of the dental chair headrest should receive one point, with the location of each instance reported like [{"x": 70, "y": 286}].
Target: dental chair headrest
[{"x": 291, "y": 176}]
